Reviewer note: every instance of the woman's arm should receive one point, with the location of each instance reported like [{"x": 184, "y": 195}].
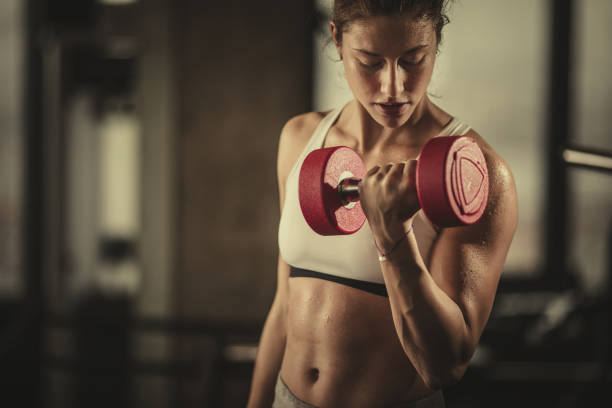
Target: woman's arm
[
  {"x": 439, "y": 314},
  {"x": 294, "y": 136},
  {"x": 271, "y": 346}
]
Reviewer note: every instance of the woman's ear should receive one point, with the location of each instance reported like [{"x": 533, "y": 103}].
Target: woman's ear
[{"x": 334, "y": 33}]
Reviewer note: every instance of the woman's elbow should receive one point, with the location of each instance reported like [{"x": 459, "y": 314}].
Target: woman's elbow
[
  {"x": 445, "y": 377},
  {"x": 449, "y": 372}
]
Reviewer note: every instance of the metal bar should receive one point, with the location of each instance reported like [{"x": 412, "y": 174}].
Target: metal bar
[
  {"x": 590, "y": 159},
  {"x": 348, "y": 189},
  {"x": 559, "y": 123},
  {"x": 607, "y": 359},
  {"x": 29, "y": 337}
]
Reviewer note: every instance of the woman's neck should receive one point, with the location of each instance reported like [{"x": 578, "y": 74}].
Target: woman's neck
[{"x": 373, "y": 136}]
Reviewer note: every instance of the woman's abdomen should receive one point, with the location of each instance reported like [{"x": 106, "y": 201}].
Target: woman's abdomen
[{"x": 342, "y": 348}]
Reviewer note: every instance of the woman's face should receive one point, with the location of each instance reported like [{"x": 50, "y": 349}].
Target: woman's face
[{"x": 388, "y": 61}]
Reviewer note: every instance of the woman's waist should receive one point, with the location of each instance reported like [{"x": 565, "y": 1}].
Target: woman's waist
[
  {"x": 324, "y": 375},
  {"x": 340, "y": 340}
]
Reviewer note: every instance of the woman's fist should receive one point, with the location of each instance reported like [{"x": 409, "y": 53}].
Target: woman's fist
[{"x": 389, "y": 198}]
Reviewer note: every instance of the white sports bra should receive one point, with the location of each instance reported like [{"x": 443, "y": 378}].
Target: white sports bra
[{"x": 347, "y": 259}]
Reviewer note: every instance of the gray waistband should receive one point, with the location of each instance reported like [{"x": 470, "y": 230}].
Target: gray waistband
[{"x": 284, "y": 398}]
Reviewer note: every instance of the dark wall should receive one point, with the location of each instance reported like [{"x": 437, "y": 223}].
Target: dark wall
[{"x": 242, "y": 69}]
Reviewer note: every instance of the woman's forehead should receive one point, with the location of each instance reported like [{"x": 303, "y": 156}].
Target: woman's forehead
[{"x": 383, "y": 32}]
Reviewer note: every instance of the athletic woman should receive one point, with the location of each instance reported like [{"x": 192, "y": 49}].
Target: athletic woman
[{"x": 390, "y": 315}]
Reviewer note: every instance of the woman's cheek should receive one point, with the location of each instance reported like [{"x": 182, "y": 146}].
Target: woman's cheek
[
  {"x": 369, "y": 82},
  {"x": 424, "y": 75},
  {"x": 361, "y": 83}
]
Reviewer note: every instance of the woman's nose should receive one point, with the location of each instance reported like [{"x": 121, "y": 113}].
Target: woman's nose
[{"x": 391, "y": 83}]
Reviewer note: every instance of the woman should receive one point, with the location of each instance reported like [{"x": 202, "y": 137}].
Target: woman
[{"x": 350, "y": 329}]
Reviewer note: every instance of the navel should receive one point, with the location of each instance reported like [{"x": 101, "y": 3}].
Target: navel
[{"x": 313, "y": 375}]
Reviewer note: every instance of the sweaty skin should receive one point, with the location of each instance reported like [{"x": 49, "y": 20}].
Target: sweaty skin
[{"x": 335, "y": 345}]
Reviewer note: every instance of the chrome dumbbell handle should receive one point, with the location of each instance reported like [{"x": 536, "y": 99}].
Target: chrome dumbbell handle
[{"x": 348, "y": 189}]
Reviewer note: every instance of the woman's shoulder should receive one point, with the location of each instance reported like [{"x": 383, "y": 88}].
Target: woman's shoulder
[
  {"x": 294, "y": 137},
  {"x": 502, "y": 188},
  {"x": 301, "y": 127},
  {"x": 497, "y": 166}
]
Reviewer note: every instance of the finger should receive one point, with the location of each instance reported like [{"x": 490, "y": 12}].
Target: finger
[
  {"x": 395, "y": 174},
  {"x": 410, "y": 166},
  {"x": 373, "y": 171},
  {"x": 410, "y": 170},
  {"x": 386, "y": 168},
  {"x": 398, "y": 169}
]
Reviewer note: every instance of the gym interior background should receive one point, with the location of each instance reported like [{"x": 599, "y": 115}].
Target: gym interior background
[{"x": 138, "y": 200}]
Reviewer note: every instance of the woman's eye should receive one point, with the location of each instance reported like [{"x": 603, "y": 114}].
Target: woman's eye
[
  {"x": 370, "y": 65},
  {"x": 413, "y": 61}
]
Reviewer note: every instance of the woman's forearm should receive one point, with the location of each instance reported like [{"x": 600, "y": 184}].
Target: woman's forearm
[
  {"x": 269, "y": 358},
  {"x": 430, "y": 326}
]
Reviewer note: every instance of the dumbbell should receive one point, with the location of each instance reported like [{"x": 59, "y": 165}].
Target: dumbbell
[{"x": 452, "y": 185}]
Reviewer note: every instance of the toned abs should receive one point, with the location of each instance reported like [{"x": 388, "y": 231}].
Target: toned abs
[{"x": 341, "y": 343}]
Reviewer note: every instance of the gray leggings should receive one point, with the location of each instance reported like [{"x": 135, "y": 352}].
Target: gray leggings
[{"x": 284, "y": 398}]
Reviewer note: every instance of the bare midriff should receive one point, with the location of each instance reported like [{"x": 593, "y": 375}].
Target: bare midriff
[{"x": 342, "y": 348}]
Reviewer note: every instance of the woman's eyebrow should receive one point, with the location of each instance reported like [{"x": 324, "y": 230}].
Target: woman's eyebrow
[{"x": 373, "y": 54}]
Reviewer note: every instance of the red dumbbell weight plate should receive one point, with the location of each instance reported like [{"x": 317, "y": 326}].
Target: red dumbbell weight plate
[
  {"x": 320, "y": 174},
  {"x": 452, "y": 181}
]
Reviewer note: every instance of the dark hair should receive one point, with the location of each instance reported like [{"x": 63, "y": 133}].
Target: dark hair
[{"x": 347, "y": 11}]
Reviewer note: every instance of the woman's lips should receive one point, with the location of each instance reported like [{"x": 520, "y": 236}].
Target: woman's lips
[{"x": 391, "y": 109}]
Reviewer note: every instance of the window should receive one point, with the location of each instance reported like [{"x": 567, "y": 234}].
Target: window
[{"x": 11, "y": 139}]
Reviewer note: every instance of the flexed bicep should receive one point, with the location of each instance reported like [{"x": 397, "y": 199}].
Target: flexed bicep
[{"x": 467, "y": 262}]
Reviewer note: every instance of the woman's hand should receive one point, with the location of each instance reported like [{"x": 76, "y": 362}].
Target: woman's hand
[{"x": 388, "y": 197}]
